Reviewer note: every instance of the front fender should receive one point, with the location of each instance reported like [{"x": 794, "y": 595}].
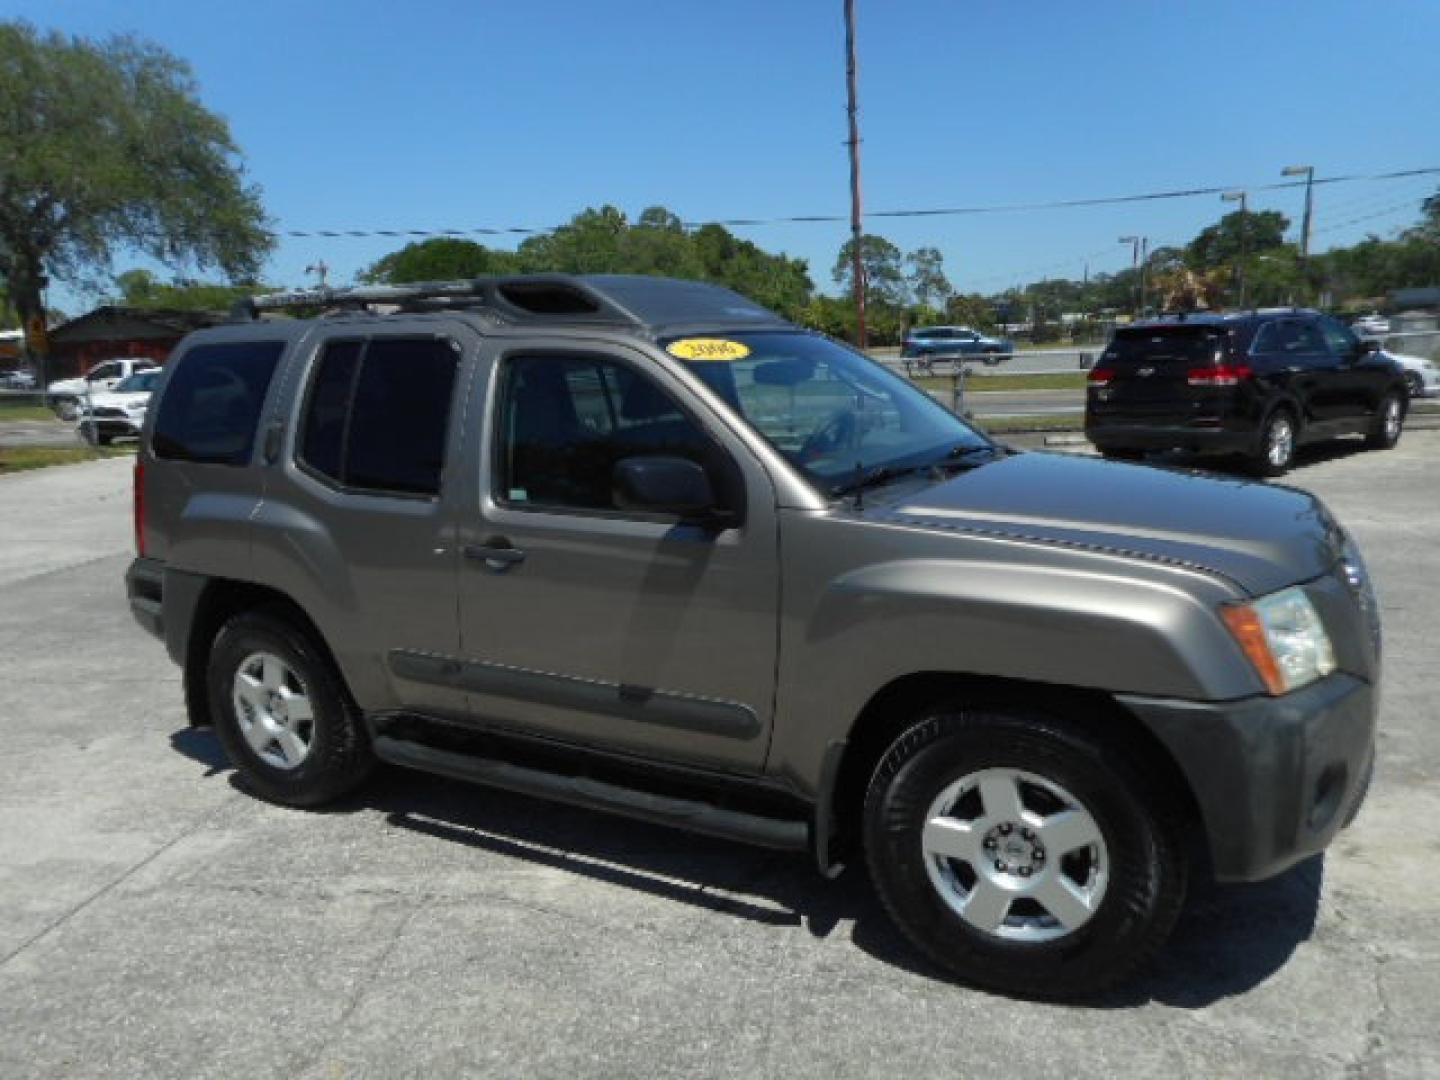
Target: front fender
[{"x": 1075, "y": 619}]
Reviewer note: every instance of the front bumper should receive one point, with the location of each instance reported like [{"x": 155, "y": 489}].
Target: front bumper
[{"x": 1275, "y": 778}]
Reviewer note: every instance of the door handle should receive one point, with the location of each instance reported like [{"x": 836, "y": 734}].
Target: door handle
[{"x": 496, "y": 553}]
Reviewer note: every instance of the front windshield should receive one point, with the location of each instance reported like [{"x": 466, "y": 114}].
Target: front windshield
[
  {"x": 831, "y": 411},
  {"x": 141, "y": 381}
]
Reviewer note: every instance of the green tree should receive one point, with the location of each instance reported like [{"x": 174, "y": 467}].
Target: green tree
[
  {"x": 140, "y": 289},
  {"x": 104, "y": 146},
  {"x": 440, "y": 259},
  {"x": 928, "y": 283},
  {"x": 1220, "y": 244},
  {"x": 882, "y": 264}
]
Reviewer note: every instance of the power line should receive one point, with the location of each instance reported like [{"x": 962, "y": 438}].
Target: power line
[{"x": 949, "y": 211}]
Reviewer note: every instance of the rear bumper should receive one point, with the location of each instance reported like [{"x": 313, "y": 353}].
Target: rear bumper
[
  {"x": 145, "y": 588},
  {"x": 1217, "y": 440},
  {"x": 1275, "y": 778}
]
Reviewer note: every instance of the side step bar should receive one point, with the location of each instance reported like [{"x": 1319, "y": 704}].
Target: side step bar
[{"x": 593, "y": 794}]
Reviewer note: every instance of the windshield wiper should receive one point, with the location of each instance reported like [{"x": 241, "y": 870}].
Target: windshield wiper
[{"x": 963, "y": 456}]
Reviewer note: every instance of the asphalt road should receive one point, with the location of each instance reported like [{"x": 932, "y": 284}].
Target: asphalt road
[{"x": 157, "y": 922}]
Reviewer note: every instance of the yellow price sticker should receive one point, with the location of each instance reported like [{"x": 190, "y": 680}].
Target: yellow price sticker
[{"x": 701, "y": 348}]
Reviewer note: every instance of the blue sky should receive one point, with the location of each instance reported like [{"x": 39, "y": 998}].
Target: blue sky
[{"x": 433, "y": 115}]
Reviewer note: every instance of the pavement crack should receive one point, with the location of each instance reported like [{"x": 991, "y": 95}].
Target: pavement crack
[
  {"x": 363, "y": 986},
  {"x": 1373, "y": 1046},
  {"x": 105, "y": 890}
]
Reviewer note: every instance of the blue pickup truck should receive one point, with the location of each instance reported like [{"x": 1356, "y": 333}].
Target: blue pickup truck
[{"x": 925, "y": 344}]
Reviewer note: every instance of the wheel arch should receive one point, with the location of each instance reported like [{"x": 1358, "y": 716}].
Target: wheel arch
[
  {"x": 894, "y": 706},
  {"x": 221, "y": 599}
]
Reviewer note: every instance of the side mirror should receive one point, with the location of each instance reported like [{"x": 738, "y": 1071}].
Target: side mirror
[{"x": 664, "y": 485}]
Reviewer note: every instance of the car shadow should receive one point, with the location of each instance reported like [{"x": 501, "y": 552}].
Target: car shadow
[
  {"x": 1229, "y": 939},
  {"x": 1305, "y": 457}
]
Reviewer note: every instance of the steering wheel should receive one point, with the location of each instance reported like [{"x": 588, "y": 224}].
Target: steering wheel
[{"x": 830, "y": 436}]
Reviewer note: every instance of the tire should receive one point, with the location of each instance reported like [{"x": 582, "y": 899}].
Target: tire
[
  {"x": 993, "y": 359},
  {"x": 1275, "y": 452},
  {"x": 325, "y": 754},
  {"x": 67, "y": 410},
  {"x": 1132, "y": 877},
  {"x": 1389, "y": 423}
]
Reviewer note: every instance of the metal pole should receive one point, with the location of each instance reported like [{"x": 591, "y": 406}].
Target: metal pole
[
  {"x": 1144, "y": 262},
  {"x": 1244, "y": 245},
  {"x": 857, "y": 271}
]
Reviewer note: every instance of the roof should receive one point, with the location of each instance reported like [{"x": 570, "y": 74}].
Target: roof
[
  {"x": 655, "y": 305},
  {"x": 1213, "y": 318},
  {"x": 114, "y": 323}
]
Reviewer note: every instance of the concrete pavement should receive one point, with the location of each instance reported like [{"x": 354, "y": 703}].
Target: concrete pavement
[{"x": 156, "y": 922}]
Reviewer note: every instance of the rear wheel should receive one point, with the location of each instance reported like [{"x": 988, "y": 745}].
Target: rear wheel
[
  {"x": 282, "y": 714},
  {"x": 1023, "y": 854},
  {"x": 1276, "y": 452},
  {"x": 1389, "y": 423}
]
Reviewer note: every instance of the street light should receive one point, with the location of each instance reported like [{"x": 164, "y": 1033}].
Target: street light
[
  {"x": 1139, "y": 255},
  {"x": 1242, "y": 198}
]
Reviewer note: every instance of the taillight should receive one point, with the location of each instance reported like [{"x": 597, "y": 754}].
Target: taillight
[
  {"x": 138, "y": 499},
  {"x": 1220, "y": 375},
  {"x": 1100, "y": 376}
]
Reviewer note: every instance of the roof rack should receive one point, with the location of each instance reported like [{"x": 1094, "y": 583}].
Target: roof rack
[
  {"x": 513, "y": 299},
  {"x": 634, "y": 301}
]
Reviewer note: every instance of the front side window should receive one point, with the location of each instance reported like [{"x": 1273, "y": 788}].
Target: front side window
[
  {"x": 377, "y": 414},
  {"x": 212, "y": 401},
  {"x": 831, "y": 411},
  {"x": 567, "y": 421},
  {"x": 1341, "y": 339}
]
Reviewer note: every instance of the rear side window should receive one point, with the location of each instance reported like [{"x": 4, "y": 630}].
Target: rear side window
[
  {"x": 212, "y": 401},
  {"x": 1163, "y": 346},
  {"x": 377, "y": 414}
]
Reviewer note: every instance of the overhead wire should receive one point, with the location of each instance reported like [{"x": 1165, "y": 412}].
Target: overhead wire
[{"x": 927, "y": 212}]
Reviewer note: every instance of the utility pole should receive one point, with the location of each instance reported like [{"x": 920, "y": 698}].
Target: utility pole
[
  {"x": 1307, "y": 171},
  {"x": 1137, "y": 245},
  {"x": 1242, "y": 198},
  {"x": 857, "y": 271}
]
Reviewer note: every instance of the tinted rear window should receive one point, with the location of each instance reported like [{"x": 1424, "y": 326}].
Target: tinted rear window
[
  {"x": 1163, "y": 345},
  {"x": 377, "y": 414},
  {"x": 212, "y": 401}
]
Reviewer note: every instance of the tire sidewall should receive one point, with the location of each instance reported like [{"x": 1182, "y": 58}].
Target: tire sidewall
[
  {"x": 1135, "y": 912},
  {"x": 339, "y": 753}
]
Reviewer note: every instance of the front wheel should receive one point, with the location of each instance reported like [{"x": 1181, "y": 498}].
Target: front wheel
[
  {"x": 1023, "y": 854},
  {"x": 282, "y": 714},
  {"x": 1389, "y": 423}
]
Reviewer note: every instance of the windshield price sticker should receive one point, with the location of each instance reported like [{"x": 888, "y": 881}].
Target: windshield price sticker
[{"x": 716, "y": 349}]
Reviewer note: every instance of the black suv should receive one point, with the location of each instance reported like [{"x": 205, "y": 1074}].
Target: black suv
[{"x": 1257, "y": 384}]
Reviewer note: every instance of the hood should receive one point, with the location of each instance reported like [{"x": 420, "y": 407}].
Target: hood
[
  {"x": 67, "y": 386},
  {"x": 1260, "y": 536}
]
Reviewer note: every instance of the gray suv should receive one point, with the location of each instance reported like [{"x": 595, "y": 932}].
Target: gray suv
[{"x": 641, "y": 546}]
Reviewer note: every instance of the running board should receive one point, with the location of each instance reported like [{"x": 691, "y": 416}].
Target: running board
[{"x": 700, "y": 817}]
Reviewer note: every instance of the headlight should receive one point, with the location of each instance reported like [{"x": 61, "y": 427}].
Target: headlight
[{"x": 1283, "y": 637}]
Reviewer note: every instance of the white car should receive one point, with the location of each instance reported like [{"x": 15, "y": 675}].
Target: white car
[
  {"x": 1371, "y": 325},
  {"x": 66, "y": 394},
  {"x": 1422, "y": 376},
  {"x": 107, "y": 415}
]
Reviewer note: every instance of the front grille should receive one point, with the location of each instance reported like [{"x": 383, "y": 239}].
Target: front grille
[{"x": 105, "y": 411}]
